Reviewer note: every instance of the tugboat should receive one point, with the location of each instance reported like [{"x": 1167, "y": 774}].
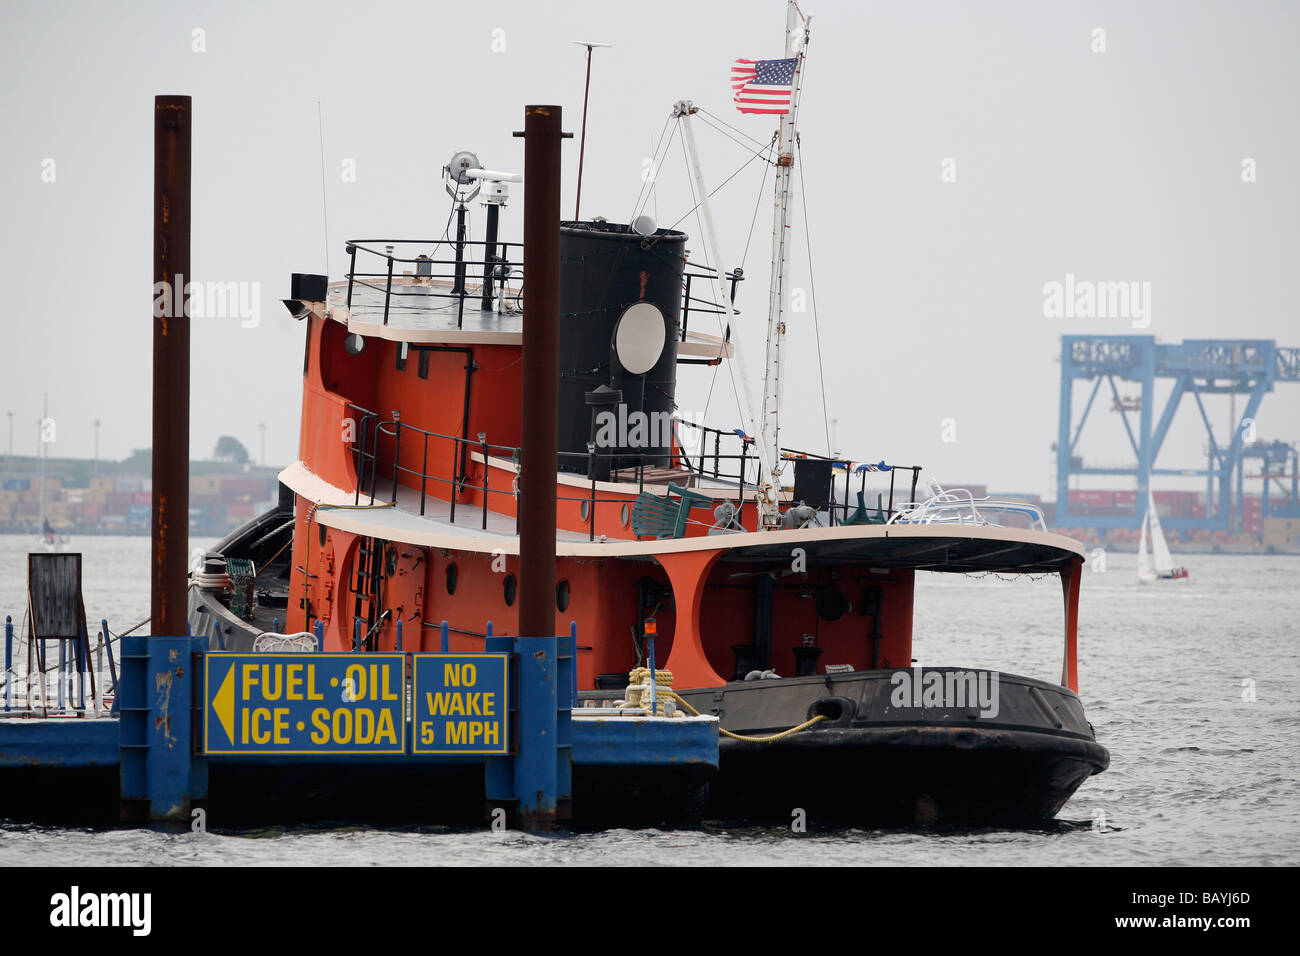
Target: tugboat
[{"x": 769, "y": 599}]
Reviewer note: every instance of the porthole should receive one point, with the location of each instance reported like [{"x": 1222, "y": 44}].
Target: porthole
[
  {"x": 321, "y": 532},
  {"x": 623, "y": 515},
  {"x": 453, "y": 574},
  {"x": 511, "y": 589},
  {"x": 831, "y": 605},
  {"x": 562, "y": 595},
  {"x": 584, "y": 509}
]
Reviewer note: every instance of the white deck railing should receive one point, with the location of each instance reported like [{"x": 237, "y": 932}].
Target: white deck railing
[{"x": 959, "y": 506}]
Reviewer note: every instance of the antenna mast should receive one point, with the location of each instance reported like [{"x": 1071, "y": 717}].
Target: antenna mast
[{"x": 796, "y": 41}]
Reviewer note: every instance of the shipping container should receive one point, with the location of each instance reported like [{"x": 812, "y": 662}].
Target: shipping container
[
  {"x": 1095, "y": 498},
  {"x": 1126, "y": 498}
]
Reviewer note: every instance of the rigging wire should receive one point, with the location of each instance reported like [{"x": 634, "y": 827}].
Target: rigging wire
[
  {"x": 735, "y": 129},
  {"x": 762, "y": 147},
  {"x": 649, "y": 182},
  {"x": 757, "y": 204},
  {"x": 812, "y": 286},
  {"x": 320, "y": 128},
  {"x": 722, "y": 278},
  {"x": 715, "y": 189}
]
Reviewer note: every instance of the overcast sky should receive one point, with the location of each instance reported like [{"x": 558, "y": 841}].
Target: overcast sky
[{"x": 1122, "y": 165}]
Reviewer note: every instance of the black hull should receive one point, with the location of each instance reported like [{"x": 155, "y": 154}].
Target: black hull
[
  {"x": 906, "y": 775},
  {"x": 871, "y": 762}
]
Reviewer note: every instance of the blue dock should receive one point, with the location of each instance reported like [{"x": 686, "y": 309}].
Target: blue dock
[{"x": 424, "y": 737}]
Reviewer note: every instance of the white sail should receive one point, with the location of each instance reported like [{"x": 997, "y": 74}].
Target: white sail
[
  {"x": 1164, "y": 562},
  {"x": 1145, "y": 572}
]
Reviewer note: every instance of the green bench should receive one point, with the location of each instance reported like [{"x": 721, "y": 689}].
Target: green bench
[
  {"x": 663, "y": 516},
  {"x": 863, "y": 515}
]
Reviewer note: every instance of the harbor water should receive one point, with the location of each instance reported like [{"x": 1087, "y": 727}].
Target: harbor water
[{"x": 1190, "y": 685}]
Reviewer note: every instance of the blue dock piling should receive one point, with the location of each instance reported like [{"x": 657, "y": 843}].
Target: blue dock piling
[
  {"x": 356, "y": 635},
  {"x": 536, "y": 783},
  {"x": 9, "y": 661},
  {"x": 399, "y": 635},
  {"x": 538, "y": 780},
  {"x": 442, "y": 635},
  {"x": 320, "y": 637},
  {"x": 160, "y": 778}
]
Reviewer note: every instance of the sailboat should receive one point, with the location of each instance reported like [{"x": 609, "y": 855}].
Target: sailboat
[{"x": 1158, "y": 563}]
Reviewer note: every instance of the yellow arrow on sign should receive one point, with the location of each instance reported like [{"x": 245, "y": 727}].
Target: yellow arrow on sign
[{"x": 224, "y": 704}]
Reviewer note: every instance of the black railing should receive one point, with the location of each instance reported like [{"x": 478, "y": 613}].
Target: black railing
[
  {"x": 502, "y": 264},
  {"x": 736, "y": 276},
  {"x": 364, "y": 458},
  {"x": 708, "y": 463},
  {"x": 622, "y": 466}
]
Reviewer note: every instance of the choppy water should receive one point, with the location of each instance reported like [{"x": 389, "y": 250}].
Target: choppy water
[{"x": 1199, "y": 772}]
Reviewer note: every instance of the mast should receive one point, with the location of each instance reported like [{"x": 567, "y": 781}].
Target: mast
[
  {"x": 796, "y": 41},
  {"x": 768, "y": 510}
]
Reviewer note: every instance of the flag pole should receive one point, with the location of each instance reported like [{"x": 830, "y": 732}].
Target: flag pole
[
  {"x": 796, "y": 41},
  {"x": 582, "y": 147}
]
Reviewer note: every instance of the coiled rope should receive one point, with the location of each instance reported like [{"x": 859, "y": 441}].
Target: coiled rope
[{"x": 638, "y": 691}]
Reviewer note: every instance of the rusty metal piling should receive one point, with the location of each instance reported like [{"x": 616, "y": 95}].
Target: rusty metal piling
[{"x": 171, "y": 365}]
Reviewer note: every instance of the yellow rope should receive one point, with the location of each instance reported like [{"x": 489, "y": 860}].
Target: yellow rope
[
  {"x": 753, "y": 740},
  {"x": 639, "y": 680}
]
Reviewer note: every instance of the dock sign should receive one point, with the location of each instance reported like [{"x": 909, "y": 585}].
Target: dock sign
[
  {"x": 462, "y": 704},
  {"x": 267, "y": 704}
]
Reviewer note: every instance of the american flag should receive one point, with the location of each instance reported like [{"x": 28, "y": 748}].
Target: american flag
[{"x": 763, "y": 86}]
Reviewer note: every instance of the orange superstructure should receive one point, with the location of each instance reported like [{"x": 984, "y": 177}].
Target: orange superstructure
[{"x": 397, "y": 434}]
